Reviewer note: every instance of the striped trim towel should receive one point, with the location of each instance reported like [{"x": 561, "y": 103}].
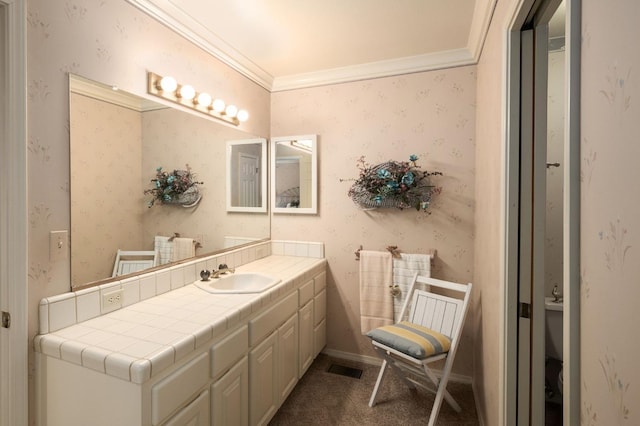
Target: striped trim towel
[
  {"x": 376, "y": 302},
  {"x": 163, "y": 248},
  {"x": 411, "y": 339},
  {"x": 404, "y": 268}
]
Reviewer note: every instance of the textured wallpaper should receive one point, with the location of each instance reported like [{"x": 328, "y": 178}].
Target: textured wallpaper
[
  {"x": 429, "y": 114},
  {"x": 106, "y": 187},
  {"x": 610, "y": 229}
]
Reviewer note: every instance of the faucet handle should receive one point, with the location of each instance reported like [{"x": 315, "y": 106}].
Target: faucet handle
[
  {"x": 555, "y": 292},
  {"x": 223, "y": 266}
]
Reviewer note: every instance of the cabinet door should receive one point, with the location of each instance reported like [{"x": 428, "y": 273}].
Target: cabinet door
[
  {"x": 320, "y": 337},
  {"x": 194, "y": 414},
  {"x": 305, "y": 332},
  {"x": 230, "y": 396},
  {"x": 287, "y": 357},
  {"x": 263, "y": 386}
]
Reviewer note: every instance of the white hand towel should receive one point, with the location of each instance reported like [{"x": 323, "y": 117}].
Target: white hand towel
[
  {"x": 404, "y": 268},
  {"x": 376, "y": 302},
  {"x": 183, "y": 248},
  {"x": 164, "y": 248}
]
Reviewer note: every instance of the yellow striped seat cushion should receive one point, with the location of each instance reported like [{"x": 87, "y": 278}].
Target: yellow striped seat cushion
[{"x": 411, "y": 339}]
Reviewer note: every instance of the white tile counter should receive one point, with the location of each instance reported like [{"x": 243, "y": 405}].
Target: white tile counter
[{"x": 136, "y": 342}]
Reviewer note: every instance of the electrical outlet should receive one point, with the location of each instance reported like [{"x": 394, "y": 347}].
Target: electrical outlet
[{"x": 111, "y": 301}]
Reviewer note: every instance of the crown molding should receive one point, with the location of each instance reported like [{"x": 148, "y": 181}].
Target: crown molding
[
  {"x": 482, "y": 15},
  {"x": 407, "y": 65},
  {"x": 175, "y": 19}
]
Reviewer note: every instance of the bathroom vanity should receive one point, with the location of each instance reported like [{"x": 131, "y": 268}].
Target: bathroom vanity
[{"x": 184, "y": 356}]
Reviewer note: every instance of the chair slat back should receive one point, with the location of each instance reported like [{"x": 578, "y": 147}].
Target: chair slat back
[{"x": 437, "y": 312}]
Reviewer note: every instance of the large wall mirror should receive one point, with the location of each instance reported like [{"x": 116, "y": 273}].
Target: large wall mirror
[
  {"x": 247, "y": 176},
  {"x": 294, "y": 181},
  {"x": 117, "y": 142}
]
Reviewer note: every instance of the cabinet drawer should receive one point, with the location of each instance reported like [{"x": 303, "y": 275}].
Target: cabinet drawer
[
  {"x": 306, "y": 293},
  {"x": 271, "y": 319},
  {"x": 230, "y": 349},
  {"x": 178, "y": 388},
  {"x": 320, "y": 282},
  {"x": 195, "y": 414},
  {"x": 319, "y": 307}
]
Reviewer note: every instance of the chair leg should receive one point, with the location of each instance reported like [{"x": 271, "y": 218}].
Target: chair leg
[
  {"x": 442, "y": 393},
  {"x": 383, "y": 371},
  {"x": 447, "y": 396}
]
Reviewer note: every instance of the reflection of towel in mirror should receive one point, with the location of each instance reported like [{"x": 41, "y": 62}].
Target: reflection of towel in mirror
[
  {"x": 404, "y": 268},
  {"x": 163, "y": 247},
  {"x": 376, "y": 302},
  {"x": 183, "y": 248}
]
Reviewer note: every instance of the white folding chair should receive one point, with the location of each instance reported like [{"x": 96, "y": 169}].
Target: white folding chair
[
  {"x": 430, "y": 333},
  {"x": 128, "y": 261}
]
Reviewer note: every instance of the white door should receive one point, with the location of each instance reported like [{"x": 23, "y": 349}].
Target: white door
[
  {"x": 249, "y": 180},
  {"x": 13, "y": 215},
  {"x": 533, "y": 143}
]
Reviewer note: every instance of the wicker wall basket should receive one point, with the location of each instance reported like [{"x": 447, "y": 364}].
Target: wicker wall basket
[
  {"x": 370, "y": 190},
  {"x": 190, "y": 198},
  {"x": 366, "y": 201}
]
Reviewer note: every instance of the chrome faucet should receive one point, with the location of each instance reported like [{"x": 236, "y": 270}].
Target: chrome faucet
[
  {"x": 222, "y": 269},
  {"x": 555, "y": 292}
]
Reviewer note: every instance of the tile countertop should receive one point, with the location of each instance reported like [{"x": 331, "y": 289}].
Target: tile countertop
[{"x": 136, "y": 342}]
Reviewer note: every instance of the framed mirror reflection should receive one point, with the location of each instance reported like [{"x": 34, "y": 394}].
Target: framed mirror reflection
[
  {"x": 247, "y": 175},
  {"x": 294, "y": 174}
]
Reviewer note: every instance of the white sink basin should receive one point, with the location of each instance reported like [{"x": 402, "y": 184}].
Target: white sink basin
[{"x": 241, "y": 282}]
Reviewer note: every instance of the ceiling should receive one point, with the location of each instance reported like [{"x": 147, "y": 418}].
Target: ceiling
[{"x": 289, "y": 44}]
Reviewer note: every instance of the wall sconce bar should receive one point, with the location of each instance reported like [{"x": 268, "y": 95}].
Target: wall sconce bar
[{"x": 183, "y": 94}]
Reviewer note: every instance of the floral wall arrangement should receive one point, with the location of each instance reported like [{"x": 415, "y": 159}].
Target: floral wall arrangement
[
  {"x": 176, "y": 187},
  {"x": 398, "y": 184}
]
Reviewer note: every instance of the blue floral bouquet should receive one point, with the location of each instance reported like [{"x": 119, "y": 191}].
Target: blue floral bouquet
[
  {"x": 399, "y": 184},
  {"x": 176, "y": 187}
]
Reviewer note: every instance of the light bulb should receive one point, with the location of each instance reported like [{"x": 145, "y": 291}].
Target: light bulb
[
  {"x": 168, "y": 84},
  {"x": 243, "y": 115},
  {"x": 204, "y": 99},
  {"x": 218, "y": 105},
  {"x": 187, "y": 92},
  {"x": 231, "y": 111}
]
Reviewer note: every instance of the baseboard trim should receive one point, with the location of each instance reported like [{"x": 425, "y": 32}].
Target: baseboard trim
[{"x": 372, "y": 360}]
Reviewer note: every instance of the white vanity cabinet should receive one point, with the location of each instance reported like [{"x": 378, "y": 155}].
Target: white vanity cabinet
[
  {"x": 240, "y": 376},
  {"x": 230, "y": 396},
  {"x": 305, "y": 326},
  {"x": 194, "y": 414},
  {"x": 319, "y": 313}
]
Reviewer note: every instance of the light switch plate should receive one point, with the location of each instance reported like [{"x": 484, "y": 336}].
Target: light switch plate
[{"x": 58, "y": 245}]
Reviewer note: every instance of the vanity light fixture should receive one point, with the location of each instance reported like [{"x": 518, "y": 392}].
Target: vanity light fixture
[
  {"x": 305, "y": 145},
  {"x": 183, "y": 94}
]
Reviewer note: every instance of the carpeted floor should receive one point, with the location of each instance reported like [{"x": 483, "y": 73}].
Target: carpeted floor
[{"x": 326, "y": 398}]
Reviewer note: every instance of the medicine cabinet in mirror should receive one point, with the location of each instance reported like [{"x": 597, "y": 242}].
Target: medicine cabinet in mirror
[
  {"x": 294, "y": 180},
  {"x": 247, "y": 175}
]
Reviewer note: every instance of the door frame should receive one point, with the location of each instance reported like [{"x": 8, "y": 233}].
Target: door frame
[
  {"x": 13, "y": 218},
  {"x": 571, "y": 214}
]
